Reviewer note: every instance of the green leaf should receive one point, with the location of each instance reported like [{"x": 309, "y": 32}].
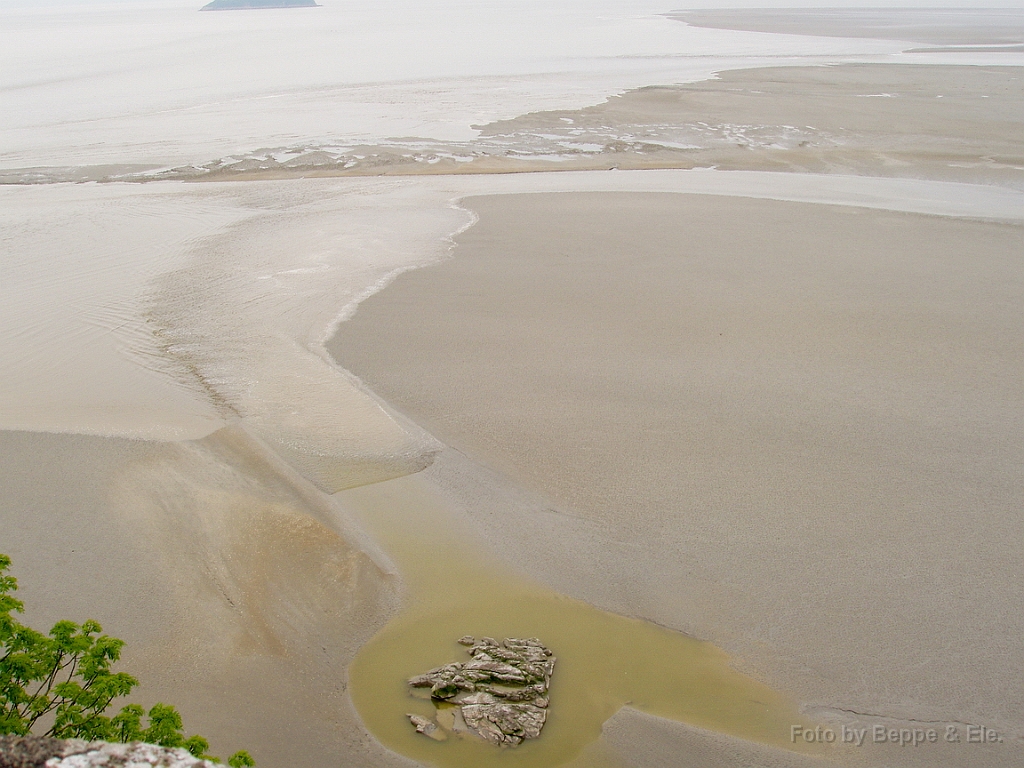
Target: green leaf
[
  {"x": 66, "y": 678},
  {"x": 241, "y": 758},
  {"x": 198, "y": 746},
  {"x": 164, "y": 727},
  {"x": 127, "y": 724}
]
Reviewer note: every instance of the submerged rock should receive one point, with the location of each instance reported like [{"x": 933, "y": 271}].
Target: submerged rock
[
  {"x": 427, "y": 727},
  {"x": 500, "y": 695}
]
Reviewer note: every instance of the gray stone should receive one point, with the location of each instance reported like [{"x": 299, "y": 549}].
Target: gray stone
[
  {"x": 427, "y": 727},
  {"x": 36, "y": 752},
  {"x": 500, "y": 695}
]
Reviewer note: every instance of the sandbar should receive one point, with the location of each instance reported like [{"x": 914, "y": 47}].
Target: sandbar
[
  {"x": 940, "y": 26},
  {"x": 800, "y": 442}
]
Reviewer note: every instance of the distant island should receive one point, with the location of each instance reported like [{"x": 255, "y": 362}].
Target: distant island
[{"x": 241, "y": 5}]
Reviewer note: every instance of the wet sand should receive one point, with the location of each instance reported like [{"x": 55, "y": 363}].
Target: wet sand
[
  {"x": 232, "y": 566},
  {"x": 940, "y": 26},
  {"x": 798, "y": 442},
  {"x": 457, "y": 584},
  {"x": 233, "y": 573},
  {"x": 937, "y": 122},
  {"x": 241, "y": 592}
]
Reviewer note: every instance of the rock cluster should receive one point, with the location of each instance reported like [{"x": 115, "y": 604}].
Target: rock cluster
[
  {"x": 500, "y": 695},
  {"x": 41, "y": 752}
]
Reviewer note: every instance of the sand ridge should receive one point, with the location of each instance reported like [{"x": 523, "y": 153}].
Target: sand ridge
[
  {"x": 938, "y": 26},
  {"x": 740, "y": 426}
]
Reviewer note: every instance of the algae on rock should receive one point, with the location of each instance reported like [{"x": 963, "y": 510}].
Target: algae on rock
[{"x": 501, "y": 695}]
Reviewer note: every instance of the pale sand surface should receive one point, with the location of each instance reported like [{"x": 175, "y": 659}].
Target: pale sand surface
[
  {"x": 643, "y": 741},
  {"x": 223, "y": 295},
  {"x": 174, "y": 519},
  {"x": 164, "y": 310},
  {"x": 240, "y": 590},
  {"x": 76, "y": 264},
  {"x": 802, "y": 443},
  {"x": 943, "y": 26}
]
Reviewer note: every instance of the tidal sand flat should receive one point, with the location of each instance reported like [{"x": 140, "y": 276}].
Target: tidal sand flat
[
  {"x": 157, "y": 312},
  {"x": 949, "y": 122},
  {"x": 805, "y": 519},
  {"x": 215, "y": 550},
  {"x": 939, "y": 26},
  {"x": 798, "y": 441}
]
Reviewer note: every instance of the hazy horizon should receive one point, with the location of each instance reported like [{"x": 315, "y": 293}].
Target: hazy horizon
[{"x": 670, "y": 5}]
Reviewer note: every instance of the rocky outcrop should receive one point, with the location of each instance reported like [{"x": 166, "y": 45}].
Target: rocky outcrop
[
  {"x": 41, "y": 752},
  {"x": 500, "y": 695}
]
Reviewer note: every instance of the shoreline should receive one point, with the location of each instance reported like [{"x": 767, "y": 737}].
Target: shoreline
[
  {"x": 945, "y": 122},
  {"x": 421, "y": 91}
]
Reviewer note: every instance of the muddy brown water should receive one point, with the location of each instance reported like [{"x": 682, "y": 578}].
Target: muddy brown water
[{"x": 605, "y": 661}]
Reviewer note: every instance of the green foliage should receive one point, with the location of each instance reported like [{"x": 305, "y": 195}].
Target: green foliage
[
  {"x": 64, "y": 679},
  {"x": 164, "y": 728}
]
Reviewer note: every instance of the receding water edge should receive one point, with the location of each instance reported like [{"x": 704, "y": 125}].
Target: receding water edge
[{"x": 605, "y": 661}]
